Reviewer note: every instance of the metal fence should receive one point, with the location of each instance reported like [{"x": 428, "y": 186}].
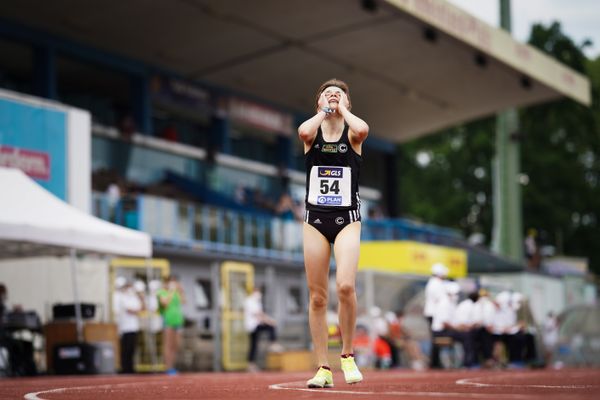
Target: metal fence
[{"x": 193, "y": 225}]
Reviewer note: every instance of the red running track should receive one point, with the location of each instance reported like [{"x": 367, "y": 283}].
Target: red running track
[{"x": 518, "y": 385}]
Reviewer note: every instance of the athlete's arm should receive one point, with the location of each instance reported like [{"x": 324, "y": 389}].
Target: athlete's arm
[
  {"x": 308, "y": 129},
  {"x": 359, "y": 130}
]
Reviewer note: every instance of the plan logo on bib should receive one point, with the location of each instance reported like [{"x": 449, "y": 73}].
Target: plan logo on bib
[{"x": 329, "y": 200}]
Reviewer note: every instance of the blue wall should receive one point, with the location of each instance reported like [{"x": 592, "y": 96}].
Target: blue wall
[{"x": 40, "y": 130}]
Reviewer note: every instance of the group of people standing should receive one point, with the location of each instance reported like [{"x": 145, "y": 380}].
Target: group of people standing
[
  {"x": 485, "y": 327},
  {"x": 163, "y": 304}
]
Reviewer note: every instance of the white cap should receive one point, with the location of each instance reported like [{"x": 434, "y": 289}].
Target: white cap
[
  {"x": 381, "y": 327},
  {"x": 390, "y": 317},
  {"x": 120, "y": 282},
  {"x": 452, "y": 288},
  {"x": 375, "y": 312},
  {"x": 154, "y": 285},
  {"x": 503, "y": 298},
  {"x": 439, "y": 269},
  {"x": 517, "y": 299},
  {"x": 139, "y": 286}
]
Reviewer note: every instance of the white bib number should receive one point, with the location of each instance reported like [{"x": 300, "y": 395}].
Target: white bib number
[{"x": 330, "y": 186}]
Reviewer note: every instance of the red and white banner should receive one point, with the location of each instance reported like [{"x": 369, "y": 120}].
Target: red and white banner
[
  {"x": 260, "y": 116},
  {"x": 34, "y": 163}
]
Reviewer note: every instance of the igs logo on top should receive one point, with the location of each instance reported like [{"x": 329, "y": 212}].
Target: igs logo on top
[{"x": 329, "y": 172}]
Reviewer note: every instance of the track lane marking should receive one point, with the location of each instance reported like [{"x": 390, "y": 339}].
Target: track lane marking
[
  {"x": 35, "y": 395},
  {"x": 471, "y": 382},
  {"x": 299, "y": 386}
]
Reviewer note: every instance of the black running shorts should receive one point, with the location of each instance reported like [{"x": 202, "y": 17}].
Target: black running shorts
[{"x": 331, "y": 223}]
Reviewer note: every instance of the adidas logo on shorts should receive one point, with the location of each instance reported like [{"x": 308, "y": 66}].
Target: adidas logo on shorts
[{"x": 317, "y": 221}]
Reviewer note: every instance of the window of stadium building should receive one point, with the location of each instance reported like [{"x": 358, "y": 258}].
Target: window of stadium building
[
  {"x": 298, "y": 154},
  {"x": 106, "y": 93},
  {"x": 293, "y": 300},
  {"x": 203, "y": 294},
  {"x": 16, "y": 67},
  {"x": 138, "y": 165},
  {"x": 254, "y": 144},
  {"x": 373, "y": 173},
  {"x": 175, "y": 128}
]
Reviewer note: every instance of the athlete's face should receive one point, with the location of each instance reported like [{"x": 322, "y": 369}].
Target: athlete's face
[{"x": 333, "y": 95}]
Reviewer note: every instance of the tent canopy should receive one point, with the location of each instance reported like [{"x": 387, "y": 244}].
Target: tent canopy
[{"x": 32, "y": 221}]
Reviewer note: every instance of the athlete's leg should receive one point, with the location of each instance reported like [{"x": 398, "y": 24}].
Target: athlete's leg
[
  {"x": 347, "y": 250},
  {"x": 317, "y": 252}
]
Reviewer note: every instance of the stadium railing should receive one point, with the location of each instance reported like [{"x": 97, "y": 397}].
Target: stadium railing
[{"x": 189, "y": 224}]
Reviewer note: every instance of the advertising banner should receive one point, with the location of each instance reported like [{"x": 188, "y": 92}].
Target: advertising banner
[
  {"x": 412, "y": 258},
  {"x": 34, "y": 140},
  {"x": 182, "y": 97}
]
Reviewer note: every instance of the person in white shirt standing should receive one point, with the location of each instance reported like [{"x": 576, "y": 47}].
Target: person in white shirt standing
[
  {"x": 255, "y": 322},
  {"x": 434, "y": 292},
  {"x": 466, "y": 324},
  {"x": 126, "y": 307},
  {"x": 446, "y": 323},
  {"x": 485, "y": 312},
  {"x": 507, "y": 330}
]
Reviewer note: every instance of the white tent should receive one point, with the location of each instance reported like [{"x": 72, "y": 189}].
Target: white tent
[{"x": 35, "y": 222}]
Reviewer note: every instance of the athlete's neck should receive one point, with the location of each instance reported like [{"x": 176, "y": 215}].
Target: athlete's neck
[{"x": 332, "y": 127}]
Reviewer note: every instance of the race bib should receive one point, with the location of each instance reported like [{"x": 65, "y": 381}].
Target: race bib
[{"x": 330, "y": 186}]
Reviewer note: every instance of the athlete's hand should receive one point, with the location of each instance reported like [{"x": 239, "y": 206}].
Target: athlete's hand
[
  {"x": 344, "y": 102},
  {"x": 323, "y": 101}
]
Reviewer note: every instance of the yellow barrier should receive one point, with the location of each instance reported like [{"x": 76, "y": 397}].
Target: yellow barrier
[
  {"x": 237, "y": 281},
  {"x": 411, "y": 258}
]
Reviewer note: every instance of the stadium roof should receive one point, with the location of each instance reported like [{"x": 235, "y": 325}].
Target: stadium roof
[{"x": 414, "y": 66}]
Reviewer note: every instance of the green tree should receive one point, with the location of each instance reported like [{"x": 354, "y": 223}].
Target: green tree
[
  {"x": 445, "y": 178},
  {"x": 561, "y": 155}
]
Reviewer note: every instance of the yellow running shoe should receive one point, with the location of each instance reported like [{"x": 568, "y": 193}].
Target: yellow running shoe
[
  {"x": 351, "y": 372},
  {"x": 323, "y": 379}
]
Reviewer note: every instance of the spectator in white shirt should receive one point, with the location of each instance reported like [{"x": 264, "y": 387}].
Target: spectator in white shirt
[
  {"x": 485, "y": 313},
  {"x": 507, "y": 330},
  {"x": 255, "y": 322},
  {"x": 126, "y": 307},
  {"x": 434, "y": 292},
  {"x": 445, "y": 325},
  {"x": 467, "y": 324}
]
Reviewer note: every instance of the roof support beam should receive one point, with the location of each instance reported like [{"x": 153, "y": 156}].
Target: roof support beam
[{"x": 508, "y": 219}]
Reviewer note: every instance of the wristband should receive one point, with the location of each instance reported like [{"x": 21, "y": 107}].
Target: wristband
[{"x": 327, "y": 110}]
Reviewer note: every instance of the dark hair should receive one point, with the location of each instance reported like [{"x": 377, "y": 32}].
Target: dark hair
[
  {"x": 333, "y": 82},
  {"x": 474, "y": 296}
]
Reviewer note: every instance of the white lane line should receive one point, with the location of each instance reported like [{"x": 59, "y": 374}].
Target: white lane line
[
  {"x": 471, "y": 382},
  {"x": 298, "y": 386},
  {"x": 35, "y": 395}
]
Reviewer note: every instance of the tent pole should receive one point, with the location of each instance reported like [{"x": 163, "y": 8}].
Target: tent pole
[
  {"x": 150, "y": 338},
  {"x": 78, "y": 317}
]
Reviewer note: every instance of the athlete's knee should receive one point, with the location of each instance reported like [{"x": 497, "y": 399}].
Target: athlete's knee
[
  {"x": 345, "y": 291},
  {"x": 318, "y": 301}
]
